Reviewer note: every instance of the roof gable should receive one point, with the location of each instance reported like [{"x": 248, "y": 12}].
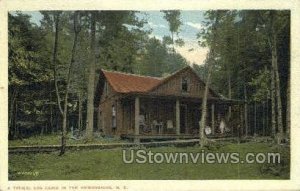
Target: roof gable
[{"x": 173, "y": 80}]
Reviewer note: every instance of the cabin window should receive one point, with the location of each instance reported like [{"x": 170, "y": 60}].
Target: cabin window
[
  {"x": 184, "y": 84},
  {"x": 113, "y": 117}
]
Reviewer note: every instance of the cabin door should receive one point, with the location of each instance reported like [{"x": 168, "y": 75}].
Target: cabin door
[{"x": 183, "y": 118}]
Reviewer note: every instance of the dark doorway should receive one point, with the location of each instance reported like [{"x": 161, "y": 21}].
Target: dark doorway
[{"x": 183, "y": 118}]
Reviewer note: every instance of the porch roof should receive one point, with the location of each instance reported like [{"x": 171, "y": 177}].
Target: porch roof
[{"x": 186, "y": 98}]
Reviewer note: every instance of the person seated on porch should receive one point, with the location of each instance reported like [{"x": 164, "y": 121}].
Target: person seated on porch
[
  {"x": 156, "y": 127},
  {"x": 142, "y": 124}
]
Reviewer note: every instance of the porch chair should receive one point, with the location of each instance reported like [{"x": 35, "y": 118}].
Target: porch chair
[
  {"x": 156, "y": 127},
  {"x": 170, "y": 126}
]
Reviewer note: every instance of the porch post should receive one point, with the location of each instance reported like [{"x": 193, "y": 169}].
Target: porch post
[
  {"x": 136, "y": 119},
  {"x": 177, "y": 117},
  {"x": 99, "y": 120},
  {"x": 241, "y": 129},
  {"x": 212, "y": 118}
]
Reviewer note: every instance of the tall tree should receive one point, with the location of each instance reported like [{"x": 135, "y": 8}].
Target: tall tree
[
  {"x": 274, "y": 22},
  {"x": 64, "y": 110},
  {"x": 76, "y": 19},
  {"x": 173, "y": 18},
  {"x": 211, "y": 61},
  {"x": 91, "y": 79},
  {"x": 275, "y": 72},
  {"x": 174, "y": 21},
  {"x": 248, "y": 35},
  {"x": 54, "y": 58}
]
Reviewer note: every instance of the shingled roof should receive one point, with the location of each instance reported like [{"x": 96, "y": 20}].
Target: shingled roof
[
  {"x": 130, "y": 83},
  {"x": 133, "y": 83}
]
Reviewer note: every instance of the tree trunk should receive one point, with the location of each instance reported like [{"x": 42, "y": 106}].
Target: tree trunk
[
  {"x": 273, "y": 103},
  {"x": 267, "y": 112},
  {"x": 51, "y": 110},
  {"x": 16, "y": 129},
  {"x": 42, "y": 130},
  {"x": 277, "y": 86},
  {"x": 229, "y": 96},
  {"x": 91, "y": 82},
  {"x": 11, "y": 116},
  {"x": 64, "y": 126},
  {"x": 276, "y": 95},
  {"x": 54, "y": 56},
  {"x": 288, "y": 109},
  {"x": 51, "y": 118},
  {"x": 211, "y": 61},
  {"x": 79, "y": 112},
  {"x": 229, "y": 93},
  {"x": 245, "y": 106},
  {"x": 203, "y": 138},
  {"x": 255, "y": 119},
  {"x": 263, "y": 119},
  {"x": 65, "y": 110}
]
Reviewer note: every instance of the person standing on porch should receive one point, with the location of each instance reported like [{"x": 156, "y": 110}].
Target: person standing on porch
[{"x": 222, "y": 125}]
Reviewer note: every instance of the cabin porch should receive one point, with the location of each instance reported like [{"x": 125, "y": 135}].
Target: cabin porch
[{"x": 169, "y": 117}]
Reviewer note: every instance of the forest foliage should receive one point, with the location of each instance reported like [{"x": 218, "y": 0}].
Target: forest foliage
[
  {"x": 121, "y": 44},
  {"x": 246, "y": 45}
]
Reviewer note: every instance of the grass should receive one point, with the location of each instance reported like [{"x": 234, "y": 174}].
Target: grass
[
  {"x": 55, "y": 139},
  {"x": 108, "y": 165}
]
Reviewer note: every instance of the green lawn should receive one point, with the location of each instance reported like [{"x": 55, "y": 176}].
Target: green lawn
[
  {"x": 56, "y": 140},
  {"x": 108, "y": 164}
]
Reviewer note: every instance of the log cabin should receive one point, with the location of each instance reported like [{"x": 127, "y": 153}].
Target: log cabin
[{"x": 137, "y": 107}]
